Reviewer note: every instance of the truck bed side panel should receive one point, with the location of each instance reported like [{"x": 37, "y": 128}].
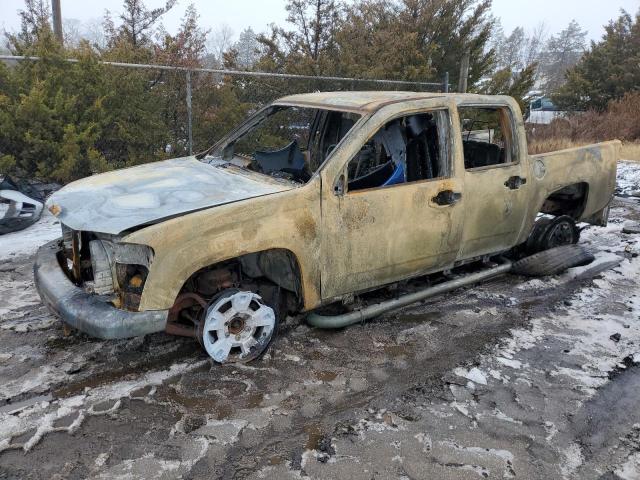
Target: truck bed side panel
[{"x": 595, "y": 165}]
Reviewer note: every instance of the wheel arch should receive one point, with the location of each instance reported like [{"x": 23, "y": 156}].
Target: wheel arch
[
  {"x": 568, "y": 200},
  {"x": 280, "y": 266}
]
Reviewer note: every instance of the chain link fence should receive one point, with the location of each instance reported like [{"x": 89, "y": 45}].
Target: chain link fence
[{"x": 202, "y": 104}]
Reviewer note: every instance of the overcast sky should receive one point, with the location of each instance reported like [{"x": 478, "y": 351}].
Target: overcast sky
[{"x": 556, "y": 14}]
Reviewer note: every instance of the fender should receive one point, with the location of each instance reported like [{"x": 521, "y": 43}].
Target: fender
[{"x": 288, "y": 220}]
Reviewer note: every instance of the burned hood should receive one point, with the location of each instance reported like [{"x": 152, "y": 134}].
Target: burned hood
[{"x": 116, "y": 201}]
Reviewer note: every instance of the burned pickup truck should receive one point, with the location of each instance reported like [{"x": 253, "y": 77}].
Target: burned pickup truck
[{"x": 316, "y": 200}]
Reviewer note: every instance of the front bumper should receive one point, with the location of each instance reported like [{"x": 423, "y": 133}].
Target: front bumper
[{"x": 84, "y": 311}]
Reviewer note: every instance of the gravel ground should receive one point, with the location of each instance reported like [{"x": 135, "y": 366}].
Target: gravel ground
[{"x": 515, "y": 378}]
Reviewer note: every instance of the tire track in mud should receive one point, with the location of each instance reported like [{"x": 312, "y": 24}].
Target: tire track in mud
[
  {"x": 400, "y": 389},
  {"x": 424, "y": 372}
]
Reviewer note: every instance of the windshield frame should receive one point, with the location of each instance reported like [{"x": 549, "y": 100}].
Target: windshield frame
[{"x": 218, "y": 149}]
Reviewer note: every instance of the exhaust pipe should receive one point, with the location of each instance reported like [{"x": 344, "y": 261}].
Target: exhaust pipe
[{"x": 339, "y": 321}]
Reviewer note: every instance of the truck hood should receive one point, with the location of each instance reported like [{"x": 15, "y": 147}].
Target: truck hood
[{"x": 116, "y": 201}]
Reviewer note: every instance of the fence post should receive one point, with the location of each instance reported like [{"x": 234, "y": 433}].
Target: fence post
[
  {"x": 464, "y": 72},
  {"x": 189, "y": 119},
  {"x": 445, "y": 85}
]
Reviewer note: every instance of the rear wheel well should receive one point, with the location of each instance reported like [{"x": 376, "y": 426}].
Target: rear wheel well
[{"x": 570, "y": 200}]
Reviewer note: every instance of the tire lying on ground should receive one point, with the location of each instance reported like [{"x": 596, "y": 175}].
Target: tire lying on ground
[{"x": 553, "y": 261}]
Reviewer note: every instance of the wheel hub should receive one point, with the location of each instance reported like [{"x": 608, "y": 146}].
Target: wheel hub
[
  {"x": 561, "y": 234},
  {"x": 237, "y": 327}
]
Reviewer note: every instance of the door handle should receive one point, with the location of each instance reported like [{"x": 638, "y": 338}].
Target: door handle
[
  {"x": 447, "y": 197},
  {"x": 515, "y": 182}
]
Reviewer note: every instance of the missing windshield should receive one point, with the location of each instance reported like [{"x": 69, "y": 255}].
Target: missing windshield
[{"x": 286, "y": 142}]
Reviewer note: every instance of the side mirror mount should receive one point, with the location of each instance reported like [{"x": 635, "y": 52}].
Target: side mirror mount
[{"x": 338, "y": 187}]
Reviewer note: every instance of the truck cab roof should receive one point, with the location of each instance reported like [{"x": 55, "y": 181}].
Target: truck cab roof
[{"x": 369, "y": 101}]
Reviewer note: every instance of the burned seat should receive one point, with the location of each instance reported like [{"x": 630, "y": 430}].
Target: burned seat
[{"x": 481, "y": 154}]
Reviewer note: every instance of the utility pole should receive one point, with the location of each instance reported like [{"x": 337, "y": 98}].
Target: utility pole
[
  {"x": 57, "y": 20},
  {"x": 464, "y": 72},
  {"x": 189, "y": 113}
]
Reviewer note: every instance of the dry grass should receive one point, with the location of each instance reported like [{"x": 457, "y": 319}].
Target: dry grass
[
  {"x": 630, "y": 150},
  {"x": 545, "y": 145}
]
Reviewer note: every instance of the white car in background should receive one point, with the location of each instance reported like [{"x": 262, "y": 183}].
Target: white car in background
[{"x": 543, "y": 111}]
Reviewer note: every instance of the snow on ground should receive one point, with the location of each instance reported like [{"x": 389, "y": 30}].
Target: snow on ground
[
  {"x": 628, "y": 178},
  {"x": 17, "y": 290},
  {"x": 452, "y": 431},
  {"x": 518, "y": 364},
  {"x": 43, "y": 417},
  {"x": 631, "y": 469},
  {"x": 13, "y": 296},
  {"x": 584, "y": 329},
  {"x": 27, "y": 241}
]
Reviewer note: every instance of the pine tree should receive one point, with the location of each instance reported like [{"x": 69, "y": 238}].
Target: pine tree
[{"x": 608, "y": 70}]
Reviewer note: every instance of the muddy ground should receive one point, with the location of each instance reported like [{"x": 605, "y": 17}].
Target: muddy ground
[{"x": 516, "y": 378}]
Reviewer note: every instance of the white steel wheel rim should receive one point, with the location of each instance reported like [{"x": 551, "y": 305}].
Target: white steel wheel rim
[{"x": 237, "y": 324}]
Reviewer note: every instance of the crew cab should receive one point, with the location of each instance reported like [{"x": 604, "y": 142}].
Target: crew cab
[{"x": 314, "y": 200}]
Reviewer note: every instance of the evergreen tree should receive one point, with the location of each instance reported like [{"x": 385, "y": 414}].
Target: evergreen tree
[
  {"x": 63, "y": 121},
  {"x": 608, "y": 70},
  {"x": 137, "y": 23},
  {"x": 514, "y": 84}
]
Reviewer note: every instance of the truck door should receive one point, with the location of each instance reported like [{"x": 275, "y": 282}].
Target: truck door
[
  {"x": 496, "y": 184},
  {"x": 391, "y": 208}
]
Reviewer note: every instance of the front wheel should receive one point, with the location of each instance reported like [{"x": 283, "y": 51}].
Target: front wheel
[{"x": 238, "y": 326}]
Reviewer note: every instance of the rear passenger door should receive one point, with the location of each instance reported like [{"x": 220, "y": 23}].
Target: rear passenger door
[{"x": 496, "y": 185}]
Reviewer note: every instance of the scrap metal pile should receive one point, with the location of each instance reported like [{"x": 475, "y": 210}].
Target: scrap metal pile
[{"x": 21, "y": 203}]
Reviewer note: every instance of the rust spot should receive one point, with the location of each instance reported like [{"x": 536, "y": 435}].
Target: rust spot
[
  {"x": 136, "y": 281},
  {"x": 306, "y": 226}
]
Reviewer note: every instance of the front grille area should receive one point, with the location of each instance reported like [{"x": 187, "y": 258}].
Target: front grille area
[
  {"x": 76, "y": 259},
  {"x": 101, "y": 265}
]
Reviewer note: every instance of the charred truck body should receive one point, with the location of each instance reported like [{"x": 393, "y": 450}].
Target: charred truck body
[{"x": 316, "y": 199}]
